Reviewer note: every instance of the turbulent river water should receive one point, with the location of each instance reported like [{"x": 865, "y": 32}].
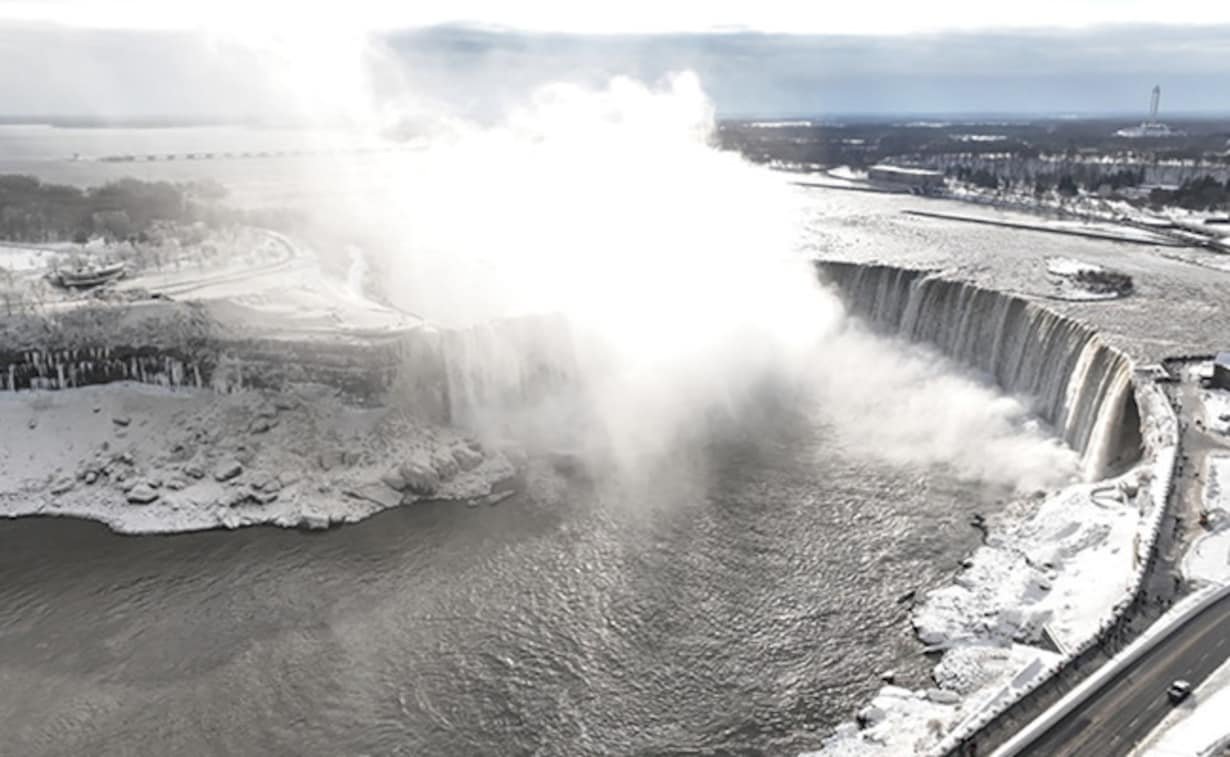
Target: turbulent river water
[{"x": 742, "y": 603}]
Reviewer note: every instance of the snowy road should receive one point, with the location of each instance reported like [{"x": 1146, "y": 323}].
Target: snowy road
[{"x": 1130, "y": 704}]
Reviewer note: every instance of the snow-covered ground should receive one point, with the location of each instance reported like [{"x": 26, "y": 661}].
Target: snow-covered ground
[
  {"x": 1067, "y": 275},
  {"x": 1216, "y": 403},
  {"x": 276, "y": 286},
  {"x": 1208, "y": 559},
  {"x": 1069, "y": 266},
  {"x": 145, "y": 459},
  {"x": 1198, "y": 726},
  {"x": 1093, "y": 213},
  {"x": 20, "y": 258},
  {"x": 901, "y": 721},
  {"x": 847, "y": 173},
  {"x": 1061, "y": 565}
]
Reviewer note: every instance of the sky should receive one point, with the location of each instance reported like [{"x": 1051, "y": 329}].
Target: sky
[
  {"x": 478, "y": 58},
  {"x": 628, "y": 16}
]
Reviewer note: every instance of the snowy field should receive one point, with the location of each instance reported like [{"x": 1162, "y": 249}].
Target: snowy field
[
  {"x": 144, "y": 459},
  {"x": 22, "y": 259}
]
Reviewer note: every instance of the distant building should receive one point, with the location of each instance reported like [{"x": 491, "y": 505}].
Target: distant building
[
  {"x": 920, "y": 179},
  {"x": 1221, "y": 370},
  {"x": 1152, "y": 127}
]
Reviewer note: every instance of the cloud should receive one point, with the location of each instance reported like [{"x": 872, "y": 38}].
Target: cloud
[
  {"x": 482, "y": 72},
  {"x": 875, "y": 17},
  {"x": 1096, "y": 70}
]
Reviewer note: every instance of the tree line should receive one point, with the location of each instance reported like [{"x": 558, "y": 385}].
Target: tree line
[{"x": 36, "y": 212}]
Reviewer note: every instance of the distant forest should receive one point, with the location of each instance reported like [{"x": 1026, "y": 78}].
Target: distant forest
[{"x": 36, "y": 212}]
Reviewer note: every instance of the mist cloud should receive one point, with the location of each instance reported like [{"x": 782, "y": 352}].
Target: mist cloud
[{"x": 678, "y": 269}]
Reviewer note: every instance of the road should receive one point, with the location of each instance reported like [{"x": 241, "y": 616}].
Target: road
[{"x": 1129, "y": 705}]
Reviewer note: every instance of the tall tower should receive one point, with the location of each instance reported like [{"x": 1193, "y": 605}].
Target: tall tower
[{"x": 1153, "y": 102}]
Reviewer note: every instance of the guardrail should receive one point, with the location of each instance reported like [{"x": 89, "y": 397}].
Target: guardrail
[{"x": 962, "y": 740}]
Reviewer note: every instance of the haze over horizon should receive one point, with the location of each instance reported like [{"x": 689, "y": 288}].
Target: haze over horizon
[{"x": 477, "y": 59}]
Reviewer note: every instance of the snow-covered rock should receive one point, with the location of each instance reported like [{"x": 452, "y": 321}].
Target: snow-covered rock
[
  {"x": 227, "y": 469},
  {"x": 142, "y": 494},
  {"x": 195, "y": 466}
]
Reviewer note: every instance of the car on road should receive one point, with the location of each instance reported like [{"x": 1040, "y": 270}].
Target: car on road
[{"x": 1178, "y": 691}]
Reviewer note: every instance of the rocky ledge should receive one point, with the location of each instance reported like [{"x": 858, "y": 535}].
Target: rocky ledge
[{"x": 146, "y": 459}]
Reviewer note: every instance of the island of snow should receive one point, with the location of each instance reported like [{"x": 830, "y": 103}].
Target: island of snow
[{"x": 147, "y": 459}]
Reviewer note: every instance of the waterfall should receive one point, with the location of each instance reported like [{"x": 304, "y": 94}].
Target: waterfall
[
  {"x": 1070, "y": 376},
  {"x": 480, "y": 374},
  {"x": 505, "y": 365}
]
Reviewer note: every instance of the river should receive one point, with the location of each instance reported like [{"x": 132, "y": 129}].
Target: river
[{"x": 742, "y": 601}]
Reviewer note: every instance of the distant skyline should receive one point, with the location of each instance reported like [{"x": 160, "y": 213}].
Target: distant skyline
[{"x": 49, "y": 69}]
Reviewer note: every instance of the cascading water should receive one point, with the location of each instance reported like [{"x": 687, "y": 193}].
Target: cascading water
[
  {"x": 1074, "y": 380},
  {"x": 498, "y": 366}
]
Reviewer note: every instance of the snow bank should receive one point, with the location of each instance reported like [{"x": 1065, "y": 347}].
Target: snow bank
[
  {"x": 1061, "y": 565},
  {"x": 1208, "y": 559},
  {"x": 1069, "y": 266},
  {"x": 847, "y": 173},
  {"x": 1216, "y": 404},
  {"x": 146, "y": 459},
  {"x": 900, "y": 721}
]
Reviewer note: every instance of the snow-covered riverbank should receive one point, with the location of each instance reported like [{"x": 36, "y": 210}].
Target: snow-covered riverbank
[
  {"x": 144, "y": 459},
  {"x": 1051, "y": 568},
  {"x": 1058, "y": 564}
]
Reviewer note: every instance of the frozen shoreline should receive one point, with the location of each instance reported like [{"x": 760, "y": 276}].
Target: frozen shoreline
[
  {"x": 1044, "y": 565},
  {"x": 1042, "y": 571},
  {"x": 143, "y": 459}
]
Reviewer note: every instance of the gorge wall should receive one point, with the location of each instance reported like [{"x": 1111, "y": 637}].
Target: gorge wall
[
  {"x": 1072, "y": 379},
  {"x": 446, "y": 375}
]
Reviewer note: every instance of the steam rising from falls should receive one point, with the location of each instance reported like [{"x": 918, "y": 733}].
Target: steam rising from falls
[{"x": 675, "y": 268}]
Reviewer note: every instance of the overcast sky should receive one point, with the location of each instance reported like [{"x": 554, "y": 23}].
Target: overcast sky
[
  {"x": 768, "y": 57},
  {"x": 626, "y": 16}
]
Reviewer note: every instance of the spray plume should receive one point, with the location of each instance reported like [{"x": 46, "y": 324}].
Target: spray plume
[{"x": 676, "y": 266}]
